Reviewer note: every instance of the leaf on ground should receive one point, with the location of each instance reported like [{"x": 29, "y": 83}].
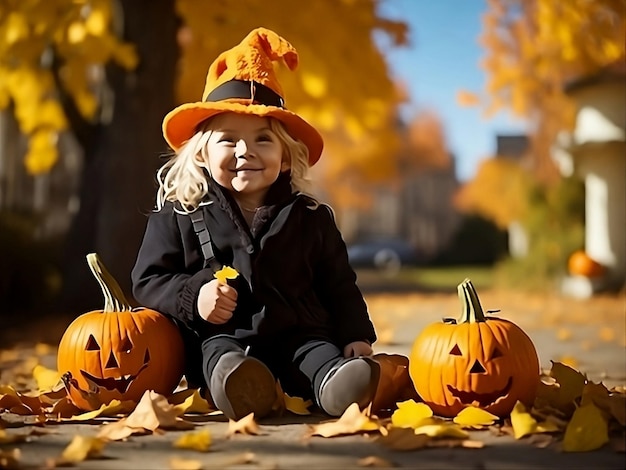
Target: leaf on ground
[
  {"x": 82, "y": 448},
  {"x": 64, "y": 408},
  {"x": 352, "y": 421},
  {"x": 297, "y": 405},
  {"x": 199, "y": 440},
  {"x": 246, "y": 425},
  {"x": 152, "y": 412},
  {"x": 571, "y": 382},
  {"x": 47, "y": 379},
  {"x": 113, "y": 408},
  {"x": 410, "y": 414},
  {"x": 193, "y": 403},
  {"x": 617, "y": 408},
  {"x": 11, "y": 438},
  {"x": 176, "y": 463},
  {"x": 472, "y": 417},
  {"x": 442, "y": 430},
  {"x": 587, "y": 430},
  {"x": 17, "y": 402},
  {"x": 374, "y": 461},
  {"x": 524, "y": 424}
]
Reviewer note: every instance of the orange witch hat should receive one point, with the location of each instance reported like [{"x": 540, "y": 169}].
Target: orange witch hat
[{"x": 243, "y": 80}]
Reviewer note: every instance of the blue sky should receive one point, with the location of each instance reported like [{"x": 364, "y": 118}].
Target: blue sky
[{"x": 443, "y": 58}]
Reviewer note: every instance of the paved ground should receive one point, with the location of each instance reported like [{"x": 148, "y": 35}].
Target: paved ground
[{"x": 588, "y": 334}]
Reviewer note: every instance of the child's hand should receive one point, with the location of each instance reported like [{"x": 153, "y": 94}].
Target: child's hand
[
  {"x": 216, "y": 302},
  {"x": 357, "y": 348}
]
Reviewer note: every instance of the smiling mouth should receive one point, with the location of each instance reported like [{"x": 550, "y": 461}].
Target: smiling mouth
[
  {"x": 120, "y": 384},
  {"x": 484, "y": 399}
]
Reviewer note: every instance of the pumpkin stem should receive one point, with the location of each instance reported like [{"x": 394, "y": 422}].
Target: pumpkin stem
[
  {"x": 114, "y": 298},
  {"x": 472, "y": 310}
]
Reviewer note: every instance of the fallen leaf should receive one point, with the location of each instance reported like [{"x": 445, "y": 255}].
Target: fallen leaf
[
  {"x": 11, "y": 438},
  {"x": 82, "y": 448},
  {"x": 524, "y": 424},
  {"x": 47, "y": 379},
  {"x": 297, "y": 405},
  {"x": 587, "y": 430},
  {"x": 617, "y": 408},
  {"x": 373, "y": 461},
  {"x": 410, "y": 414},
  {"x": 176, "y": 463},
  {"x": 571, "y": 383},
  {"x": 246, "y": 425},
  {"x": 474, "y": 417},
  {"x": 113, "y": 408},
  {"x": 606, "y": 334},
  {"x": 64, "y": 408},
  {"x": 17, "y": 402},
  {"x": 352, "y": 421},
  {"x": 563, "y": 334},
  {"x": 200, "y": 441},
  {"x": 442, "y": 430},
  {"x": 193, "y": 403}
]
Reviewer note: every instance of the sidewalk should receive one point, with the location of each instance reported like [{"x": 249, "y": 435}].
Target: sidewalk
[{"x": 561, "y": 329}]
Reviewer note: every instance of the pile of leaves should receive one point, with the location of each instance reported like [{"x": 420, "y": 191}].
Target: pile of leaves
[{"x": 570, "y": 412}]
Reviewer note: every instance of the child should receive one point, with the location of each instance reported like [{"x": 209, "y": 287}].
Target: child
[{"x": 234, "y": 194}]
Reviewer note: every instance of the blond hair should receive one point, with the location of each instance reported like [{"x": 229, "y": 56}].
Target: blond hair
[{"x": 183, "y": 179}]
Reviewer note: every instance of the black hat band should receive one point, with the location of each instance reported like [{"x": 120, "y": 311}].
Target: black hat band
[{"x": 244, "y": 89}]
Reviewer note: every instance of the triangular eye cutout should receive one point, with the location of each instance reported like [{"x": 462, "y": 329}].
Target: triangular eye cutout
[
  {"x": 496, "y": 353},
  {"x": 112, "y": 363},
  {"x": 92, "y": 344},
  {"x": 146, "y": 356},
  {"x": 126, "y": 345},
  {"x": 456, "y": 351}
]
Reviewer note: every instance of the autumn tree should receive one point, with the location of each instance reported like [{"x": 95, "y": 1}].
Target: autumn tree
[
  {"x": 532, "y": 49},
  {"x": 109, "y": 71}
]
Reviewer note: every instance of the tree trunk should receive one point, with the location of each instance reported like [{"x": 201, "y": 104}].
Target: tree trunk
[{"x": 118, "y": 185}]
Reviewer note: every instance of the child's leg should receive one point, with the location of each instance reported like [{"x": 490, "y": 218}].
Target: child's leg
[
  {"x": 238, "y": 384},
  {"x": 337, "y": 381}
]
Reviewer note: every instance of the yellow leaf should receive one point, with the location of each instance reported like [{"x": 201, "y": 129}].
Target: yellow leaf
[
  {"x": 351, "y": 422},
  {"x": 297, "y": 405},
  {"x": 472, "y": 417},
  {"x": 194, "y": 403},
  {"x": 313, "y": 84},
  {"x": 47, "y": 379},
  {"x": 586, "y": 431},
  {"x": 82, "y": 448},
  {"x": 524, "y": 424},
  {"x": 114, "y": 407},
  {"x": 226, "y": 273},
  {"x": 246, "y": 425},
  {"x": 410, "y": 414},
  {"x": 200, "y": 441},
  {"x": 571, "y": 382},
  {"x": 403, "y": 439},
  {"x": 442, "y": 430}
]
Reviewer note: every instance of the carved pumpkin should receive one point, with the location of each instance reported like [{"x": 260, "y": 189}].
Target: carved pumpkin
[
  {"x": 581, "y": 264},
  {"x": 480, "y": 361},
  {"x": 118, "y": 352}
]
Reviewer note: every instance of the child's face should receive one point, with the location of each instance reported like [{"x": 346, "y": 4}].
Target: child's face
[{"x": 245, "y": 156}]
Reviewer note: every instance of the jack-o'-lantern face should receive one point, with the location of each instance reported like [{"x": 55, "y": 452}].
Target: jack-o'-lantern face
[
  {"x": 119, "y": 355},
  {"x": 485, "y": 362}
]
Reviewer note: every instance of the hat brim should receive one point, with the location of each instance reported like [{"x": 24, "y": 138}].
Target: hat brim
[{"x": 180, "y": 124}]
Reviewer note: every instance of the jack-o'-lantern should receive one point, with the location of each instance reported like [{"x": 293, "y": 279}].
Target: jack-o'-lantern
[
  {"x": 118, "y": 352},
  {"x": 477, "y": 360}
]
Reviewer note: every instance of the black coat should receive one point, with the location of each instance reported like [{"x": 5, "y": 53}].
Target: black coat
[{"x": 295, "y": 281}]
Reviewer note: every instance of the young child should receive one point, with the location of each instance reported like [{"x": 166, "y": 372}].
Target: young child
[{"x": 235, "y": 194}]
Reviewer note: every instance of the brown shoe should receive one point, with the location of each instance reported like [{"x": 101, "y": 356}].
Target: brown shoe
[{"x": 241, "y": 385}]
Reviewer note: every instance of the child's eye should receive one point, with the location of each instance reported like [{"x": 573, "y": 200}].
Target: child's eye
[
  {"x": 264, "y": 138},
  {"x": 226, "y": 139}
]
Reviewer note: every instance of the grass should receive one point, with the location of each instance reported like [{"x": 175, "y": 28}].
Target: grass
[{"x": 439, "y": 279}]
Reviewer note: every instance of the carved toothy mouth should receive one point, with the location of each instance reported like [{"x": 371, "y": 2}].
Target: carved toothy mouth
[
  {"x": 483, "y": 399},
  {"x": 120, "y": 384}
]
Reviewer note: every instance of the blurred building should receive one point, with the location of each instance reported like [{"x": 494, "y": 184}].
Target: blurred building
[{"x": 595, "y": 151}]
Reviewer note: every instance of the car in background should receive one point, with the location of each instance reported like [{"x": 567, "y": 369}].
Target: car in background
[{"x": 385, "y": 254}]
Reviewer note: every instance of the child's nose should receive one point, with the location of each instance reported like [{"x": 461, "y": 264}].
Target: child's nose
[{"x": 241, "y": 149}]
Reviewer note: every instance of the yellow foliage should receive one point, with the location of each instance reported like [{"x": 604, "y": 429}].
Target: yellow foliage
[
  {"x": 587, "y": 430},
  {"x": 534, "y": 47},
  {"x": 77, "y": 35}
]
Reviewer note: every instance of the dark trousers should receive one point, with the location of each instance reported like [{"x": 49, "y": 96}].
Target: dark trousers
[{"x": 300, "y": 372}]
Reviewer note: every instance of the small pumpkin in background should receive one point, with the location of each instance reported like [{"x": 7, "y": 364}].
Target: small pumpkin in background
[
  {"x": 118, "y": 352},
  {"x": 581, "y": 264},
  {"x": 481, "y": 361}
]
